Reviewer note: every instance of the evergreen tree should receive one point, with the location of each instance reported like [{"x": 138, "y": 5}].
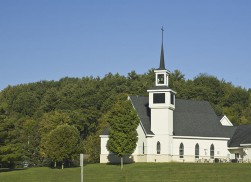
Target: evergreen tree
[{"x": 11, "y": 144}]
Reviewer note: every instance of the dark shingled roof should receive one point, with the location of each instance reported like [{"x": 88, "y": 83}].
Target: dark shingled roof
[
  {"x": 197, "y": 118},
  {"x": 241, "y": 136},
  {"x": 105, "y": 131},
  {"x": 142, "y": 107},
  {"x": 191, "y": 118},
  {"x": 220, "y": 117}
]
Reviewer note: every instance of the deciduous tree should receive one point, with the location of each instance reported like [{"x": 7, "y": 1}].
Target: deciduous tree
[
  {"x": 62, "y": 143},
  {"x": 123, "y": 122}
]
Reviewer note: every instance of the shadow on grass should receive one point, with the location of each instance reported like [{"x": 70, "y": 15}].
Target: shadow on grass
[
  {"x": 68, "y": 167},
  {"x": 10, "y": 169},
  {"x": 118, "y": 164},
  {"x": 113, "y": 159}
]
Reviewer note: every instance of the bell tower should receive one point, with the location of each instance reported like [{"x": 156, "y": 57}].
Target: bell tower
[{"x": 161, "y": 99}]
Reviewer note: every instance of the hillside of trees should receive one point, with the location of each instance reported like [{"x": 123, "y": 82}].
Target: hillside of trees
[{"x": 30, "y": 114}]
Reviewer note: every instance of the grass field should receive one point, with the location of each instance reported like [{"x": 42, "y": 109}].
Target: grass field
[{"x": 133, "y": 172}]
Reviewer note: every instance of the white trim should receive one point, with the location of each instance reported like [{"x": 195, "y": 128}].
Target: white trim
[
  {"x": 104, "y": 136},
  {"x": 228, "y": 121},
  {"x": 203, "y": 138},
  {"x": 162, "y": 106},
  {"x": 149, "y": 135},
  {"x": 246, "y": 144},
  {"x": 229, "y": 148},
  {"x": 160, "y": 71},
  {"x": 162, "y": 90}
]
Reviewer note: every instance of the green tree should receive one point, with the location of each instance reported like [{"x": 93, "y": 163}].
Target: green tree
[
  {"x": 123, "y": 122},
  {"x": 50, "y": 100},
  {"x": 63, "y": 143},
  {"x": 49, "y": 122},
  {"x": 11, "y": 144},
  {"x": 26, "y": 103},
  {"x": 92, "y": 147},
  {"x": 31, "y": 139}
]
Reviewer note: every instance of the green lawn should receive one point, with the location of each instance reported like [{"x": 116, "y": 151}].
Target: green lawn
[{"x": 134, "y": 172}]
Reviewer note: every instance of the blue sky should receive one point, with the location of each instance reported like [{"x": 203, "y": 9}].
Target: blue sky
[{"x": 51, "y": 39}]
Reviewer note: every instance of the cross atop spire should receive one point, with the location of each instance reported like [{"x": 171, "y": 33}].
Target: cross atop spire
[
  {"x": 162, "y": 29},
  {"x": 162, "y": 62}
]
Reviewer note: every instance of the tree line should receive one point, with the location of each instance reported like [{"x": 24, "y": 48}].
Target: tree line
[{"x": 38, "y": 119}]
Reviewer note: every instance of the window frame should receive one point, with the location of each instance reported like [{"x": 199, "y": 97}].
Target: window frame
[
  {"x": 158, "y": 147},
  {"x": 161, "y": 79},
  {"x": 212, "y": 151},
  {"x": 159, "y": 98},
  {"x": 181, "y": 151},
  {"x": 143, "y": 148},
  {"x": 172, "y": 98},
  {"x": 197, "y": 151}
]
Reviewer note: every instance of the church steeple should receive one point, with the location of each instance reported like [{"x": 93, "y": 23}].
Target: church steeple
[
  {"x": 162, "y": 61},
  {"x": 161, "y": 74},
  {"x": 162, "y": 100}
]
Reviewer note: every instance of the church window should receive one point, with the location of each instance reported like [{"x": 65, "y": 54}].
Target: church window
[
  {"x": 143, "y": 148},
  {"x": 160, "y": 78},
  {"x": 197, "y": 151},
  {"x": 158, "y": 98},
  {"x": 158, "y": 147},
  {"x": 237, "y": 155},
  {"x": 212, "y": 151},
  {"x": 172, "y": 99},
  {"x": 181, "y": 150}
]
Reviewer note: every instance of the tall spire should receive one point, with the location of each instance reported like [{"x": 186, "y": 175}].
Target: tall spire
[{"x": 162, "y": 61}]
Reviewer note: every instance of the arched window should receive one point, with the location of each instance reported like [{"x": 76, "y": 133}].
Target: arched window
[
  {"x": 158, "y": 147},
  {"x": 197, "y": 151},
  {"x": 212, "y": 151},
  {"x": 181, "y": 150},
  {"x": 143, "y": 148}
]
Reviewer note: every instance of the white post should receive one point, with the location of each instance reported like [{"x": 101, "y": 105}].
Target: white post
[{"x": 82, "y": 167}]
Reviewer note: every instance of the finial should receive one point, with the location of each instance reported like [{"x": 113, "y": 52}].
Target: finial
[{"x": 162, "y": 29}]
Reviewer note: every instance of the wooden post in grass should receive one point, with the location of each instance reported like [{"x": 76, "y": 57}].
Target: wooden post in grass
[{"x": 82, "y": 166}]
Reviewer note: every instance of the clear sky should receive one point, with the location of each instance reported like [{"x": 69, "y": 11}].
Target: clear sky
[{"x": 51, "y": 39}]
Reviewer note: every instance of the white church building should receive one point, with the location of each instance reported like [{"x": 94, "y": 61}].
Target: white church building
[{"x": 178, "y": 130}]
